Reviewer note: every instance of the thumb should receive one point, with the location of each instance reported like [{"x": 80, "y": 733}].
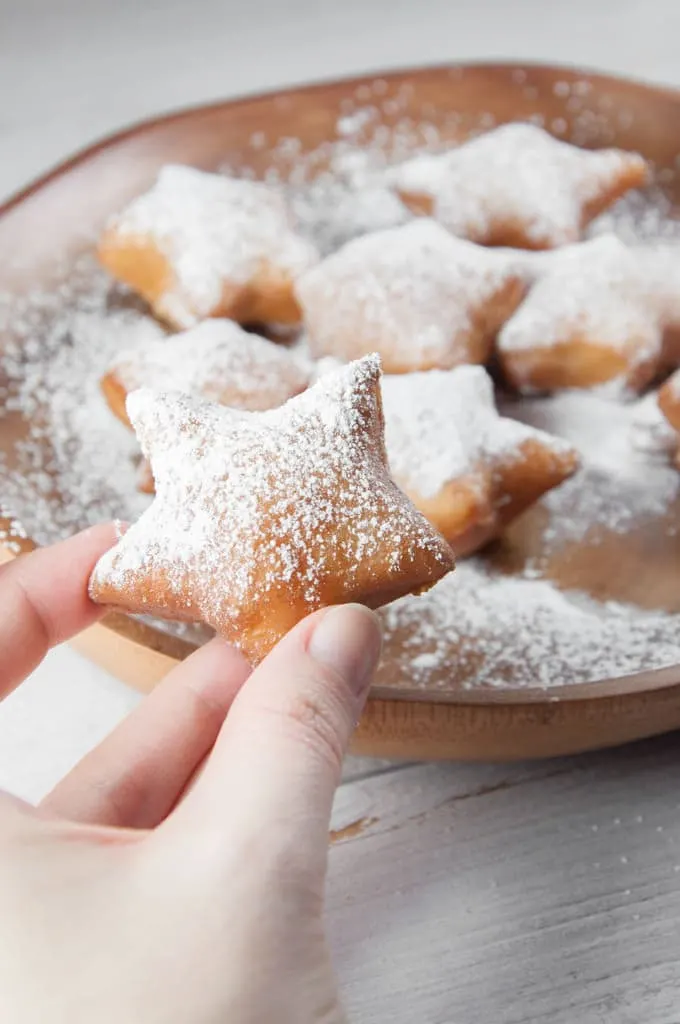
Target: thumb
[{"x": 277, "y": 762}]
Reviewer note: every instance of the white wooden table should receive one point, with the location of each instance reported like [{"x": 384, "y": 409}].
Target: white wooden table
[{"x": 464, "y": 894}]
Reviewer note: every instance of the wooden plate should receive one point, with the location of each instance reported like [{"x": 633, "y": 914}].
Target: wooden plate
[{"x": 58, "y": 217}]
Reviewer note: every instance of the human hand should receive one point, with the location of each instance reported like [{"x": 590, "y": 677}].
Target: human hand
[{"x": 176, "y": 875}]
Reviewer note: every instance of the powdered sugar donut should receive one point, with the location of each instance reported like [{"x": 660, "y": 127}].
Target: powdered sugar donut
[
  {"x": 469, "y": 470},
  {"x": 417, "y": 296},
  {"x": 218, "y": 361},
  {"x": 599, "y": 311},
  {"x": 517, "y": 186},
  {"x": 261, "y": 517},
  {"x": 200, "y": 245}
]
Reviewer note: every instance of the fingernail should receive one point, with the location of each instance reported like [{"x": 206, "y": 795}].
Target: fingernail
[{"x": 348, "y": 640}]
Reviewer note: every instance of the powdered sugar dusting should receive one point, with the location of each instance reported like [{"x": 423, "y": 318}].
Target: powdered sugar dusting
[
  {"x": 414, "y": 293},
  {"x": 640, "y": 217},
  {"x": 347, "y": 203},
  {"x": 650, "y": 431},
  {"x": 485, "y": 629},
  {"x": 219, "y": 361},
  {"x": 74, "y": 464},
  {"x": 518, "y": 174},
  {"x": 622, "y": 484},
  {"x": 601, "y": 291},
  {"x": 492, "y": 631},
  {"x": 215, "y": 232}
]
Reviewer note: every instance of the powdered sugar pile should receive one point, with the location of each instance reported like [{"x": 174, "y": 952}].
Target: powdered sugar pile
[{"x": 443, "y": 425}]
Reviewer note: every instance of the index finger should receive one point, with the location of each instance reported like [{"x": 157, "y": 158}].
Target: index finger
[{"x": 44, "y": 600}]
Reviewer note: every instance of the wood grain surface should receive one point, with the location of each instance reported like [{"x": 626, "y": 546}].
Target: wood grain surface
[{"x": 520, "y": 894}]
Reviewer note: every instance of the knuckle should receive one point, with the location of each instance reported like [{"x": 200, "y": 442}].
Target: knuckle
[
  {"x": 315, "y": 716},
  {"x": 39, "y": 627},
  {"x": 14, "y": 814},
  {"x": 125, "y": 801},
  {"x": 207, "y": 710},
  {"x": 318, "y": 728}
]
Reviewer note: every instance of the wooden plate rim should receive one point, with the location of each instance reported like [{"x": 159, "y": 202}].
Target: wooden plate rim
[{"x": 145, "y": 124}]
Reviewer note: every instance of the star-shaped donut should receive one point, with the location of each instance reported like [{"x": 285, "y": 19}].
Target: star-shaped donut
[
  {"x": 517, "y": 186},
  {"x": 260, "y": 518},
  {"x": 200, "y": 245},
  {"x": 469, "y": 470},
  {"x": 415, "y": 294},
  {"x": 216, "y": 360},
  {"x": 599, "y": 311}
]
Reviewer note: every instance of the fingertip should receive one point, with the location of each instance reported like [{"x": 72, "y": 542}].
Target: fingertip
[
  {"x": 347, "y": 639},
  {"x": 101, "y": 536},
  {"x": 46, "y": 598}
]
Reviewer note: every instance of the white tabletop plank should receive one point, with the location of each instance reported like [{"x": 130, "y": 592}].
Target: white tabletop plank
[{"x": 512, "y": 894}]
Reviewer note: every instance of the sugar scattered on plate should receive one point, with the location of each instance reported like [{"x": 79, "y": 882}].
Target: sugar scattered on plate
[
  {"x": 484, "y": 629},
  {"x": 74, "y": 464}
]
